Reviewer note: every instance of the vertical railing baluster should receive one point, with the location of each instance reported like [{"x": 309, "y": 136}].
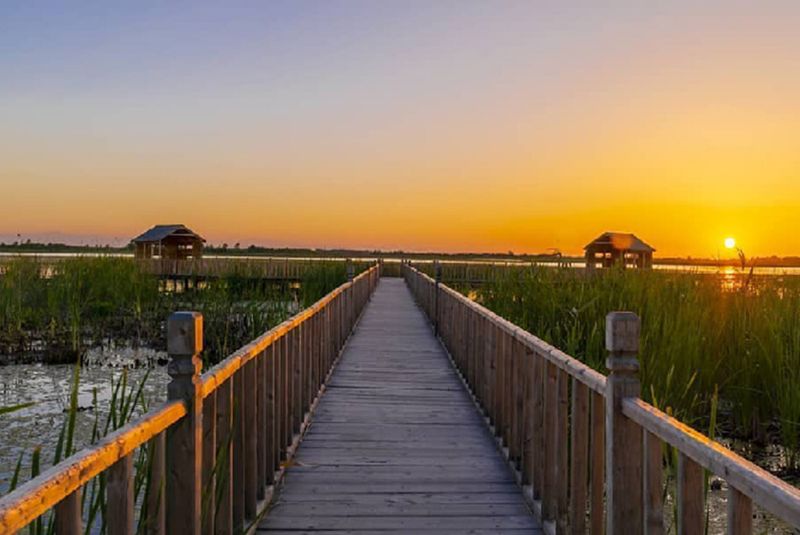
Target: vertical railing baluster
[
  {"x": 549, "y": 495},
  {"x": 297, "y": 385},
  {"x": 437, "y": 272},
  {"x": 261, "y": 424},
  {"x": 270, "y": 416},
  {"x": 689, "y": 496},
  {"x": 740, "y": 513},
  {"x": 238, "y": 450},
  {"x": 623, "y": 436},
  {"x": 501, "y": 381},
  {"x": 653, "y": 485},
  {"x": 597, "y": 478},
  {"x": 119, "y": 497},
  {"x": 520, "y": 375},
  {"x": 250, "y": 396},
  {"x": 209, "y": 460},
  {"x": 155, "y": 494},
  {"x": 68, "y": 515},
  {"x": 288, "y": 374},
  {"x": 528, "y": 429},
  {"x": 538, "y": 426},
  {"x": 563, "y": 452},
  {"x": 184, "y": 438},
  {"x": 223, "y": 500},
  {"x": 280, "y": 400},
  {"x": 579, "y": 453}
]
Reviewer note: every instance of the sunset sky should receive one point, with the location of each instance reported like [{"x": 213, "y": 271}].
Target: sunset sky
[{"x": 435, "y": 125}]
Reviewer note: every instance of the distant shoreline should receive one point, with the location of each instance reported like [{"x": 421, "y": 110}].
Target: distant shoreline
[{"x": 56, "y": 248}]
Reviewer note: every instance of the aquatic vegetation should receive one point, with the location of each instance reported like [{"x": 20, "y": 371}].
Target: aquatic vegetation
[
  {"x": 54, "y": 314},
  {"x": 739, "y": 336}
]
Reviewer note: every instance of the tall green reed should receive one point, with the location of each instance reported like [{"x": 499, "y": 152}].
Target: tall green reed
[{"x": 700, "y": 334}]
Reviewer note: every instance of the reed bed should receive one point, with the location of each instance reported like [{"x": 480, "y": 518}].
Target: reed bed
[
  {"x": 703, "y": 336},
  {"x": 93, "y": 299},
  {"x": 54, "y": 314}
]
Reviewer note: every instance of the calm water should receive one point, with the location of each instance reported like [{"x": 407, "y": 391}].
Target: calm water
[{"x": 49, "y": 387}]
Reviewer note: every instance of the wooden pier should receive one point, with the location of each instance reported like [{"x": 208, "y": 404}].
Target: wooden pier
[
  {"x": 396, "y": 443},
  {"x": 399, "y": 406}
]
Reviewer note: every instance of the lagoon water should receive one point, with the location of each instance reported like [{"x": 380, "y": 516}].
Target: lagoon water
[{"x": 48, "y": 386}]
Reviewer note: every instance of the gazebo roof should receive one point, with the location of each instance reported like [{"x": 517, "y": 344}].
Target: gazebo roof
[
  {"x": 161, "y": 232},
  {"x": 621, "y": 241}
]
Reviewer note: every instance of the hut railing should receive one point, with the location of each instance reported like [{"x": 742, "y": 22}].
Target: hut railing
[
  {"x": 586, "y": 449},
  {"x": 219, "y": 444}
]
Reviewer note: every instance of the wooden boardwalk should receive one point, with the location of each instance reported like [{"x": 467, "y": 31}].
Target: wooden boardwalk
[{"x": 396, "y": 444}]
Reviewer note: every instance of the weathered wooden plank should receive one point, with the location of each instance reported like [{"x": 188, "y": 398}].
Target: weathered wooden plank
[
  {"x": 417, "y": 531},
  {"x": 395, "y": 508},
  {"x": 510, "y": 496},
  {"x": 370, "y": 523}
]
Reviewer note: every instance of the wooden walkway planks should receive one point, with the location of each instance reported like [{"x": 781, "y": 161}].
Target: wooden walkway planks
[{"x": 396, "y": 444}]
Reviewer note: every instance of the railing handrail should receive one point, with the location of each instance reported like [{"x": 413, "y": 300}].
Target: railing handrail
[
  {"x": 35, "y": 497},
  {"x": 768, "y": 491},
  {"x": 221, "y": 371}
]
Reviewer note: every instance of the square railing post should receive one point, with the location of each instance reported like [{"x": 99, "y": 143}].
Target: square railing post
[
  {"x": 185, "y": 437},
  {"x": 624, "y": 448},
  {"x": 437, "y": 273}
]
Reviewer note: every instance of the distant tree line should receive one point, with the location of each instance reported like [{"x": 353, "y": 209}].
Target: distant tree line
[{"x": 28, "y": 246}]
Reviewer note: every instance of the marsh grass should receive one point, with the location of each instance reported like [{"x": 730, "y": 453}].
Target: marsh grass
[
  {"x": 701, "y": 335},
  {"x": 97, "y": 298},
  {"x": 81, "y": 302}
]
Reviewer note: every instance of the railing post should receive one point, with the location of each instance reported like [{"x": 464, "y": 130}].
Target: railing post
[
  {"x": 350, "y": 270},
  {"x": 437, "y": 272},
  {"x": 184, "y": 439},
  {"x": 623, "y": 437}
]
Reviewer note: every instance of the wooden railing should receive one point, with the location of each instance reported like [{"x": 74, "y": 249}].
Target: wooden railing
[
  {"x": 586, "y": 449},
  {"x": 218, "y": 445}
]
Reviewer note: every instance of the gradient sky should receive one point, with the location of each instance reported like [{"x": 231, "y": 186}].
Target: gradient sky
[{"x": 436, "y": 125}]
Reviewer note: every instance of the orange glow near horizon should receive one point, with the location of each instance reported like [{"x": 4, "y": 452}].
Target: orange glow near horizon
[{"x": 481, "y": 130}]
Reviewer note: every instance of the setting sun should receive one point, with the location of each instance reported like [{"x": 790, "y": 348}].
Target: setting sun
[{"x": 730, "y": 243}]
